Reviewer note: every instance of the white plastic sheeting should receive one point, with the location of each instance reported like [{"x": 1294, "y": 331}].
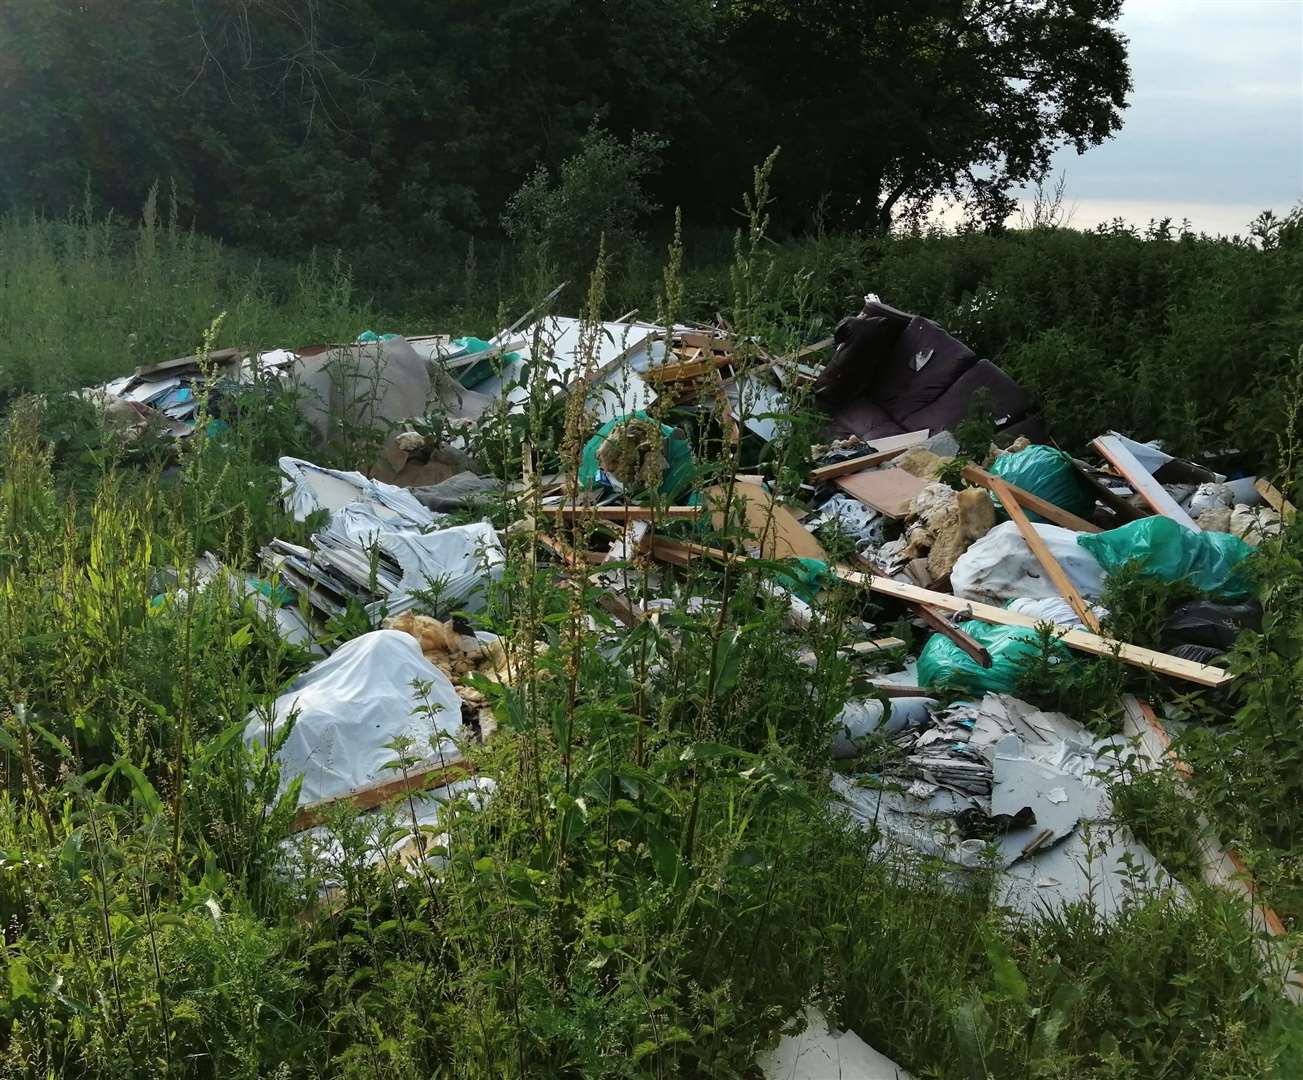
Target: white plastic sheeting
[
  {"x": 616, "y": 393},
  {"x": 307, "y": 488},
  {"x": 821, "y": 1052},
  {"x": 1053, "y": 609},
  {"x": 351, "y": 706},
  {"x": 1000, "y": 566}
]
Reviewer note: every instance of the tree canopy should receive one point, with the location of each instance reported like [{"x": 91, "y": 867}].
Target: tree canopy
[{"x": 288, "y": 123}]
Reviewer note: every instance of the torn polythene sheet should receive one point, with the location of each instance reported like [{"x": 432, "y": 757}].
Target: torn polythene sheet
[
  {"x": 348, "y": 709},
  {"x": 307, "y": 488}
]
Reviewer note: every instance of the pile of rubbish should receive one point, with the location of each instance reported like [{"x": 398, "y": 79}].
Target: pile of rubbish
[{"x": 1001, "y": 559}]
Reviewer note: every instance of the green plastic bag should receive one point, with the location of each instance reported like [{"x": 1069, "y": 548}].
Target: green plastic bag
[
  {"x": 1168, "y": 551},
  {"x": 1049, "y": 473},
  {"x": 679, "y": 463},
  {"x": 943, "y": 664},
  {"x": 803, "y": 577},
  {"x": 472, "y": 375}
]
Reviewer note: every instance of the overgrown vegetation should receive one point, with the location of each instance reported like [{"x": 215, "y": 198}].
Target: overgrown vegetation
[{"x": 660, "y": 880}]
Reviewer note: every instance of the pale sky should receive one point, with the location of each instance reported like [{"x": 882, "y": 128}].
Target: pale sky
[{"x": 1214, "y": 131}]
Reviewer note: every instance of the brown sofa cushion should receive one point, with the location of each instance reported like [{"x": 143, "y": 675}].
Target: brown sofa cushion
[
  {"x": 1009, "y": 401},
  {"x": 924, "y": 363}
]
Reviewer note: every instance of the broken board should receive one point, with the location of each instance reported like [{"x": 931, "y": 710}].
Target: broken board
[
  {"x": 1155, "y": 496},
  {"x": 780, "y": 535},
  {"x": 888, "y": 491}
]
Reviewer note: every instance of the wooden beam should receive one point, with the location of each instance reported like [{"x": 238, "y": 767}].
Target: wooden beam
[
  {"x": 430, "y": 774},
  {"x": 1221, "y": 867},
  {"x": 1082, "y": 640},
  {"x": 616, "y": 512},
  {"x": 1009, "y": 499},
  {"x": 1142, "y": 480},
  {"x": 1055, "y": 514},
  {"x": 961, "y": 638},
  {"x": 883, "y": 450},
  {"x": 1275, "y": 499}
]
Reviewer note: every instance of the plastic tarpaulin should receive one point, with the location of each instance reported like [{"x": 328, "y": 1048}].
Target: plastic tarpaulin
[
  {"x": 1164, "y": 549},
  {"x": 349, "y": 707}
]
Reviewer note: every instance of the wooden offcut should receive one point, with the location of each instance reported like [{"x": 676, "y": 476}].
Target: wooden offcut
[
  {"x": 1220, "y": 866},
  {"x": 883, "y": 450},
  {"x": 1275, "y": 499},
  {"x": 888, "y": 491},
  {"x": 428, "y": 775},
  {"x": 960, "y": 638},
  {"x": 616, "y": 512},
  {"x": 774, "y": 526}
]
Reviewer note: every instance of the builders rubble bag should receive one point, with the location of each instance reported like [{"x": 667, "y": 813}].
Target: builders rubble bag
[
  {"x": 943, "y": 664},
  {"x": 1168, "y": 551},
  {"x": 1049, "y": 473}
]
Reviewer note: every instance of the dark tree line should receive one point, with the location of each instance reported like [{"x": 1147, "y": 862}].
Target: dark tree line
[{"x": 288, "y": 123}]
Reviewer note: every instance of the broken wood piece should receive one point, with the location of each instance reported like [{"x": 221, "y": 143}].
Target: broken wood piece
[
  {"x": 428, "y": 775},
  {"x": 876, "y": 645},
  {"x": 889, "y": 491},
  {"x": 1082, "y": 640},
  {"x": 1051, "y": 513},
  {"x": 1038, "y": 841},
  {"x": 773, "y": 525},
  {"x": 1009, "y": 499},
  {"x": 961, "y": 639},
  {"x": 883, "y": 450},
  {"x": 1111, "y": 449},
  {"x": 572, "y": 557},
  {"x": 1221, "y": 867},
  {"x": 1275, "y": 499},
  {"x": 894, "y": 690}
]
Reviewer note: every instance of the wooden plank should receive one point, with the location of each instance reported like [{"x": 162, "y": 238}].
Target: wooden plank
[
  {"x": 1221, "y": 867},
  {"x": 430, "y": 774},
  {"x": 615, "y": 512},
  {"x": 883, "y": 450},
  {"x": 962, "y": 640},
  {"x": 1275, "y": 498},
  {"x": 1082, "y": 640},
  {"x": 1009, "y": 499},
  {"x": 1149, "y": 489},
  {"x": 889, "y": 491},
  {"x": 1055, "y": 514}
]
